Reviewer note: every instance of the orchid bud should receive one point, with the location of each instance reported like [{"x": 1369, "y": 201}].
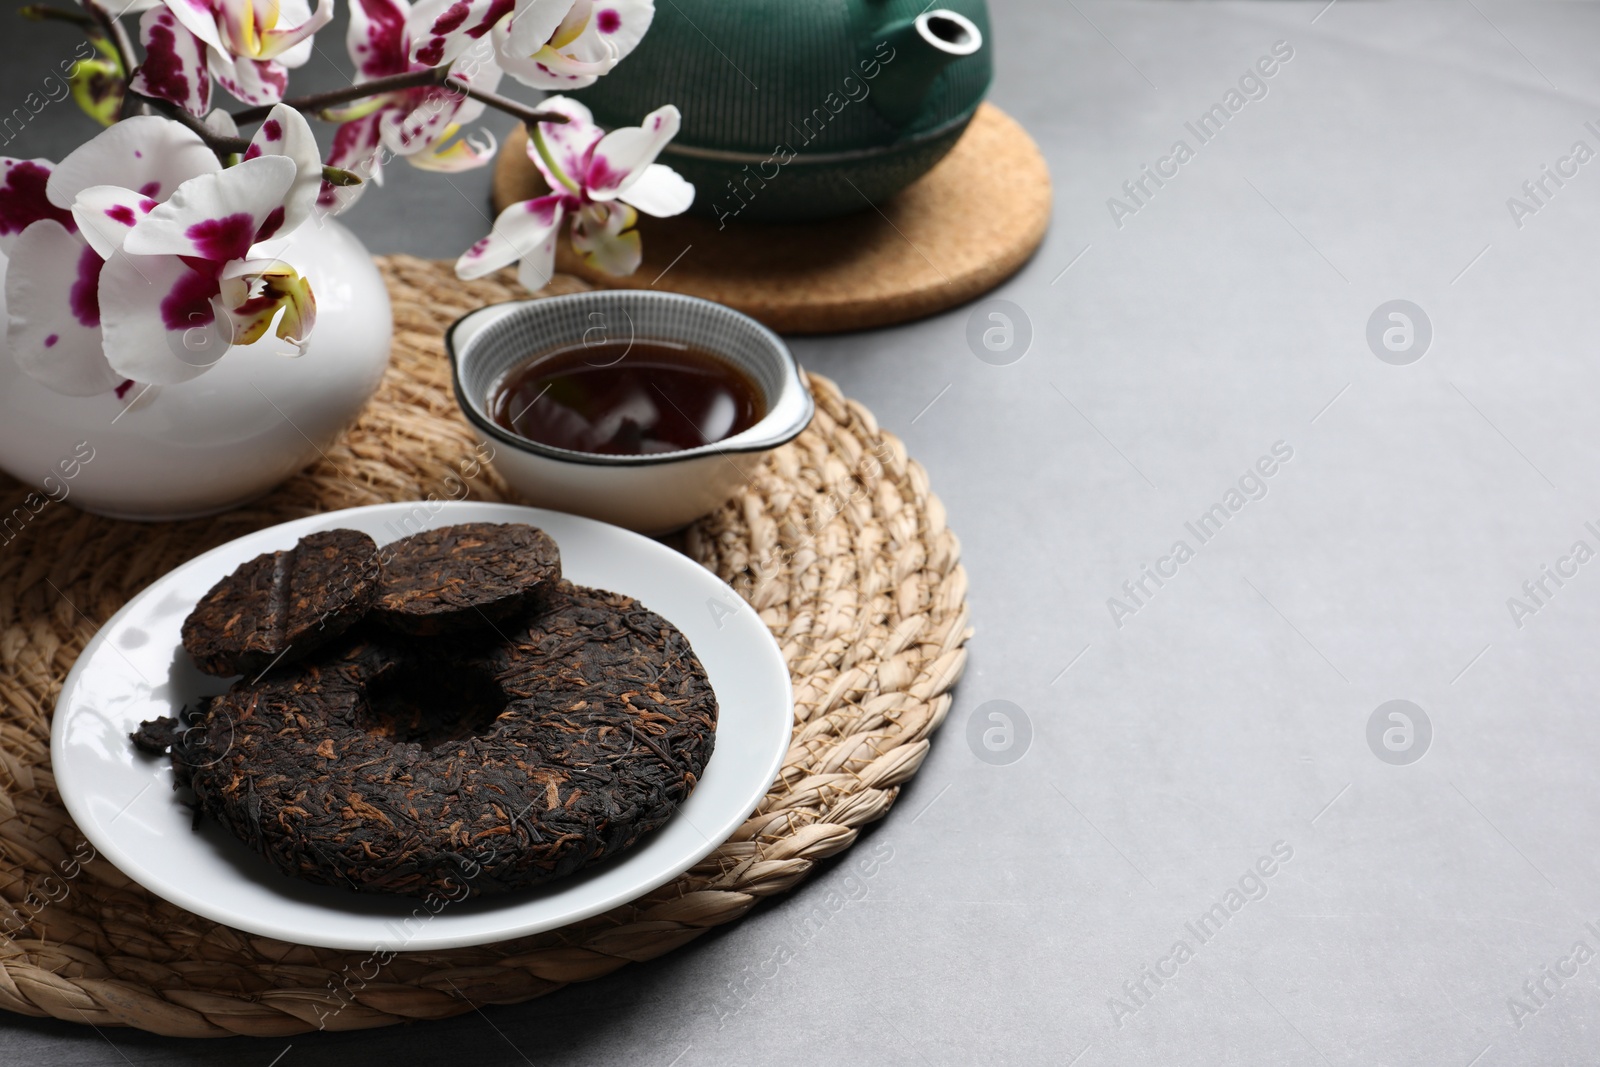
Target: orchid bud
[
  {"x": 340, "y": 177},
  {"x": 98, "y": 85}
]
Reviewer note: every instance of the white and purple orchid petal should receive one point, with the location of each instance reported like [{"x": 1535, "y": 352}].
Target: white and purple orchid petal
[
  {"x": 217, "y": 217},
  {"x": 610, "y": 29},
  {"x": 567, "y": 144},
  {"x": 174, "y": 67},
  {"x": 280, "y": 41},
  {"x": 428, "y": 117},
  {"x": 286, "y": 132},
  {"x": 454, "y": 154},
  {"x": 199, "y": 17},
  {"x": 355, "y": 148},
  {"x": 416, "y": 130},
  {"x": 660, "y": 191},
  {"x": 253, "y": 82},
  {"x": 622, "y": 22},
  {"x": 535, "y": 73},
  {"x": 376, "y": 38},
  {"x": 621, "y": 157},
  {"x": 145, "y": 153},
  {"x": 538, "y": 266},
  {"x": 551, "y": 70},
  {"x": 355, "y": 144},
  {"x": 221, "y": 123},
  {"x": 477, "y": 65},
  {"x": 574, "y": 67},
  {"x": 337, "y": 199},
  {"x": 253, "y": 292},
  {"x": 573, "y": 25},
  {"x": 160, "y": 320},
  {"x": 25, "y": 200},
  {"x": 589, "y": 56},
  {"x": 604, "y": 235},
  {"x": 534, "y": 22},
  {"x": 53, "y": 311},
  {"x": 442, "y": 29},
  {"x": 296, "y": 57},
  {"x": 105, "y": 215},
  {"x": 434, "y": 114},
  {"x": 521, "y": 230}
]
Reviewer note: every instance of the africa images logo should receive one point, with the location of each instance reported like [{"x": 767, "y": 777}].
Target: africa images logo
[
  {"x": 1251, "y": 486},
  {"x": 1142, "y": 188},
  {"x": 1251, "y": 886}
]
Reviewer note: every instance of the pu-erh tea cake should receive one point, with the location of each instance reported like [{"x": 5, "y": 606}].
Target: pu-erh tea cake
[
  {"x": 467, "y": 763},
  {"x": 464, "y": 577},
  {"x": 283, "y": 606}
]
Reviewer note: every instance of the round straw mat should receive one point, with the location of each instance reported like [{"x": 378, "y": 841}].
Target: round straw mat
[{"x": 836, "y": 541}]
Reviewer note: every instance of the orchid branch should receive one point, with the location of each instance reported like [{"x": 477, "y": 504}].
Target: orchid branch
[
  {"x": 46, "y": 13},
  {"x": 415, "y": 79},
  {"x": 221, "y": 144},
  {"x": 543, "y": 149},
  {"x": 527, "y": 114},
  {"x": 224, "y": 145}
]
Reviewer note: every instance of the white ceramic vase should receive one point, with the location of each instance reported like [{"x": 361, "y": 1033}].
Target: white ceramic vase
[{"x": 225, "y": 437}]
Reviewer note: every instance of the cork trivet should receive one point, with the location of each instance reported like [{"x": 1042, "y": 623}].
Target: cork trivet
[
  {"x": 836, "y": 541},
  {"x": 954, "y": 234}
]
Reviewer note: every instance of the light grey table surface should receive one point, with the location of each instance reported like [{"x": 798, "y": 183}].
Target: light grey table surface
[{"x": 1179, "y": 739}]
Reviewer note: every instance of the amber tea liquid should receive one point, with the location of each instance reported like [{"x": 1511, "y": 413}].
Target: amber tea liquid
[{"x": 625, "y": 398}]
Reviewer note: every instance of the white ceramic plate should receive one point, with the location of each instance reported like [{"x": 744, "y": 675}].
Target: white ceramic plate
[{"x": 135, "y": 669}]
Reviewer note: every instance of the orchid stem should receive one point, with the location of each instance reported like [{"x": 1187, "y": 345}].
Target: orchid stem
[
  {"x": 544, "y": 153},
  {"x": 232, "y": 146},
  {"x": 45, "y": 13},
  {"x": 218, "y": 143},
  {"x": 527, "y": 114},
  {"x": 415, "y": 79}
]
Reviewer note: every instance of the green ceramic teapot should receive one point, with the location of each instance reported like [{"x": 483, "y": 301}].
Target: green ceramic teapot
[{"x": 803, "y": 109}]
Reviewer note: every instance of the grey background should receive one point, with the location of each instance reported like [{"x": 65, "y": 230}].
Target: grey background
[{"x": 1230, "y": 711}]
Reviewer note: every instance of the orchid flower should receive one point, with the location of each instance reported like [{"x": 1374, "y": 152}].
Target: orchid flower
[
  {"x": 598, "y": 178},
  {"x": 421, "y": 125},
  {"x": 544, "y": 51},
  {"x": 248, "y": 46},
  {"x": 140, "y": 244},
  {"x": 545, "y": 44},
  {"x": 52, "y": 280}
]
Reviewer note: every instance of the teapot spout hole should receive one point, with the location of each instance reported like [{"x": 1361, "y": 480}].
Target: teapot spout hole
[{"x": 949, "y": 32}]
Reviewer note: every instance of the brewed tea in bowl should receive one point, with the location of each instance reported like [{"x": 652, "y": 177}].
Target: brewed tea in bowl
[{"x": 625, "y": 405}]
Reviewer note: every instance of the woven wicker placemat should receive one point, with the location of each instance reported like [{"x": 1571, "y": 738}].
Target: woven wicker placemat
[
  {"x": 836, "y": 541},
  {"x": 950, "y": 236}
]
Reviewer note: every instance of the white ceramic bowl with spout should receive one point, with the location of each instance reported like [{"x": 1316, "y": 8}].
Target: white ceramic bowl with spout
[{"x": 655, "y": 493}]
